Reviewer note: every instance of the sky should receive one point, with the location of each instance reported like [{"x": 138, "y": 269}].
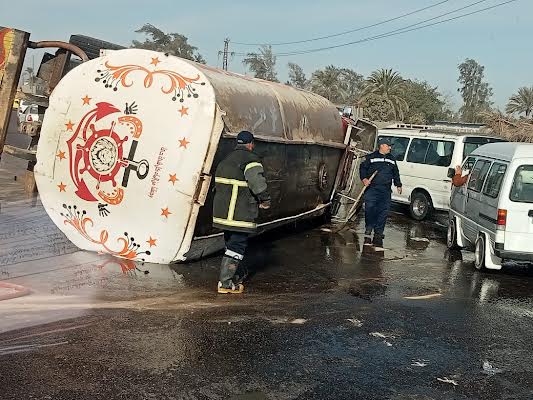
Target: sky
[{"x": 499, "y": 39}]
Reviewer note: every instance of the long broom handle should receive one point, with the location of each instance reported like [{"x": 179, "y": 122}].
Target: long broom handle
[{"x": 354, "y": 207}]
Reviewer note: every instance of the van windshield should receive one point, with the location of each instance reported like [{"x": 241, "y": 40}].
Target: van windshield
[{"x": 522, "y": 190}]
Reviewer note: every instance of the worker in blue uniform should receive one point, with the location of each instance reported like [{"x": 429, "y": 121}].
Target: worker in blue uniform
[{"x": 378, "y": 172}]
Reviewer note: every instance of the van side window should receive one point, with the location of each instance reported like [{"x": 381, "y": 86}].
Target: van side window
[
  {"x": 522, "y": 190},
  {"x": 494, "y": 180},
  {"x": 399, "y": 146},
  {"x": 469, "y": 164},
  {"x": 417, "y": 151},
  {"x": 440, "y": 153},
  {"x": 478, "y": 175},
  {"x": 431, "y": 152}
]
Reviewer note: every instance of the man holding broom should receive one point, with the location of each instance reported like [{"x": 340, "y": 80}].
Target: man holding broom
[{"x": 378, "y": 171}]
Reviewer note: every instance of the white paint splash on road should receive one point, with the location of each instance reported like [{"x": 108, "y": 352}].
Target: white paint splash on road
[
  {"x": 381, "y": 335},
  {"x": 448, "y": 380},
  {"x": 420, "y": 363},
  {"x": 298, "y": 321},
  {"x": 489, "y": 369},
  {"x": 357, "y": 323},
  {"x": 423, "y": 297}
]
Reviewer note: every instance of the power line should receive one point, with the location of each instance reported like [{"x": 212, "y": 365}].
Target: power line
[
  {"x": 396, "y": 31},
  {"x": 377, "y": 36},
  {"x": 475, "y": 3},
  {"x": 345, "y": 32},
  {"x": 402, "y": 30}
]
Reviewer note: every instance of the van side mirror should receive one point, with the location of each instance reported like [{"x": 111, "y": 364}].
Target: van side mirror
[
  {"x": 347, "y": 112},
  {"x": 451, "y": 172}
]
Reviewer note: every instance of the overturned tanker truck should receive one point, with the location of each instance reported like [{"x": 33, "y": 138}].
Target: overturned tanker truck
[{"x": 130, "y": 141}]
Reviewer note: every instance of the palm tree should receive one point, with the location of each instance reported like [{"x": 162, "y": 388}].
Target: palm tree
[
  {"x": 521, "y": 102},
  {"x": 388, "y": 85}
]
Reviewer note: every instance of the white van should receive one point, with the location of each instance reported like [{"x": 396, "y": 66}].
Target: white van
[
  {"x": 424, "y": 156},
  {"x": 493, "y": 211}
]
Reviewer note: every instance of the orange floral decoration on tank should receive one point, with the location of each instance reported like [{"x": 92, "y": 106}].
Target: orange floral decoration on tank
[
  {"x": 128, "y": 248},
  {"x": 180, "y": 86}
]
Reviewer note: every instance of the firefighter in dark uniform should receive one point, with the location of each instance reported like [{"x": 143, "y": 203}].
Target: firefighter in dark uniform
[
  {"x": 378, "y": 191},
  {"x": 240, "y": 190}
]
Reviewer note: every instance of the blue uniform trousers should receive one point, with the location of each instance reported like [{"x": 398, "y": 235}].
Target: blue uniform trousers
[
  {"x": 236, "y": 244},
  {"x": 377, "y": 204}
]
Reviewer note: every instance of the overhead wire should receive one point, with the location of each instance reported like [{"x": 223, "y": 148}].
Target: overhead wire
[
  {"x": 395, "y": 32},
  {"x": 346, "y": 32}
]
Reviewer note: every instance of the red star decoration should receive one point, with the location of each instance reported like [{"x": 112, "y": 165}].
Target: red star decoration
[
  {"x": 184, "y": 111},
  {"x": 62, "y": 187},
  {"x": 61, "y": 155},
  {"x": 69, "y": 125},
  {"x": 86, "y": 100},
  {"x": 151, "y": 242},
  {"x": 172, "y": 178},
  {"x": 165, "y": 212},
  {"x": 184, "y": 142},
  {"x": 155, "y": 61}
]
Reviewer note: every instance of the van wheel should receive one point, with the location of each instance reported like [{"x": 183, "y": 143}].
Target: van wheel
[
  {"x": 451, "y": 237},
  {"x": 420, "y": 206},
  {"x": 479, "y": 262}
]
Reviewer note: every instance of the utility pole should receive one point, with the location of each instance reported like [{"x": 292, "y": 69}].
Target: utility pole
[{"x": 225, "y": 55}]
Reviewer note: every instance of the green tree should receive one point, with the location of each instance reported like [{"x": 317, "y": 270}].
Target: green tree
[
  {"x": 386, "y": 85},
  {"x": 326, "y": 83},
  {"x": 297, "y": 76},
  {"x": 376, "y": 108},
  {"x": 338, "y": 85},
  {"x": 262, "y": 64},
  {"x": 522, "y": 102},
  {"x": 476, "y": 93},
  {"x": 425, "y": 102},
  {"x": 171, "y": 43},
  {"x": 352, "y": 85}
]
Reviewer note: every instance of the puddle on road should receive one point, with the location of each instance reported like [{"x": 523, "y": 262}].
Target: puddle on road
[
  {"x": 367, "y": 290},
  {"x": 293, "y": 264}
]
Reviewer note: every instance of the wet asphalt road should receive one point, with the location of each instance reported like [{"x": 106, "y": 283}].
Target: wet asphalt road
[{"x": 320, "y": 319}]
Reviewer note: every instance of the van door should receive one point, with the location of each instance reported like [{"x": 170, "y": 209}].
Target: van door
[
  {"x": 427, "y": 168},
  {"x": 519, "y": 227},
  {"x": 488, "y": 205},
  {"x": 473, "y": 199},
  {"x": 399, "y": 148},
  {"x": 458, "y": 194}
]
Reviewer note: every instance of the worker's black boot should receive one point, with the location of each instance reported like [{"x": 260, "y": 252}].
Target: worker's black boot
[
  {"x": 378, "y": 242},
  {"x": 368, "y": 238},
  {"x": 241, "y": 274},
  {"x": 228, "y": 267}
]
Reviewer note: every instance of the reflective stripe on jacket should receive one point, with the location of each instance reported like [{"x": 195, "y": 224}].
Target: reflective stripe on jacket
[
  {"x": 387, "y": 171},
  {"x": 240, "y": 185}
]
